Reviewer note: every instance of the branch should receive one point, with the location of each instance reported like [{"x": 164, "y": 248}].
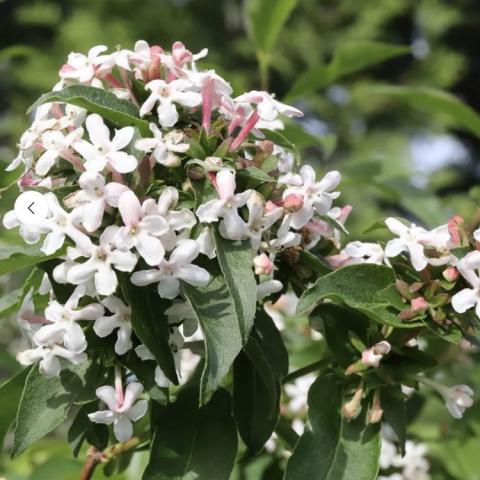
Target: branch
[{"x": 313, "y": 367}]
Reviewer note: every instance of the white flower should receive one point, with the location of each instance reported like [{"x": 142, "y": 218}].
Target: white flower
[
  {"x": 268, "y": 107},
  {"x": 122, "y": 409},
  {"x": 64, "y": 328},
  {"x": 414, "y": 239},
  {"x": 142, "y": 228},
  {"x": 259, "y": 219},
  {"x": 181, "y": 313},
  {"x": 170, "y": 272},
  {"x": 457, "y": 398},
  {"x": 101, "y": 152},
  {"x": 48, "y": 356},
  {"x": 120, "y": 320},
  {"x": 99, "y": 266},
  {"x": 56, "y": 144},
  {"x": 30, "y": 233},
  {"x": 94, "y": 197},
  {"x": 285, "y": 237},
  {"x": 317, "y": 196},
  {"x": 60, "y": 225},
  {"x": 357, "y": 252},
  {"x": 468, "y": 297},
  {"x": 82, "y": 67},
  {"x": 372, "y": 356},
  {"x": 167, "y": 95},
  {"x": 164, "y": 148},
  {"x": 267, "y": 288},
  {"x": 226, "y": 207}
]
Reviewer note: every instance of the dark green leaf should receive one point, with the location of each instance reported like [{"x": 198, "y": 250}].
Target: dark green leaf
[
  {"x": 192, "y": 442},
  {"x": 150, "y": 323},
  {"x": 394, "y": 413},
  {"x": 15, "y": 258},
  {"x": 358, "y": 286},
  {"x": 257, "y": 376},
  {"x": 82, "y": 428},
  {"x": 215, "y": 311},
  {"x": 9, "y": 302},
  {"x": 96, "y": 100},
  {"x": 236, "y": 260},
  {"x": 332, "y": 448}
]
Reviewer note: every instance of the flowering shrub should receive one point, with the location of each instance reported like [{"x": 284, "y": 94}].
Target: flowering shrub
[{"x": 172, "y": 233}]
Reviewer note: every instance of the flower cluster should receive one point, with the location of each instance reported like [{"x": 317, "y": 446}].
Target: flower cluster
[{"x": 122, "y": 203}]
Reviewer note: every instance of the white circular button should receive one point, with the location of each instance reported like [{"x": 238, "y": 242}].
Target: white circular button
[{"x": 31, "y": 208}]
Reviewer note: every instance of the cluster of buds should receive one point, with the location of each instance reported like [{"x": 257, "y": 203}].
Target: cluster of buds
[{"x": 119, "y": 202}]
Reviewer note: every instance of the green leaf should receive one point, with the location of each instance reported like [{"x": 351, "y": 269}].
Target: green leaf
[
  {"x": 45, "y": 402},
  {"x": 82, "y": 428},
  {"x": 333, "y": 448},
  {"x": 255, "y": 173},
  {"x": 214, "y": 309},
  {"x": 10, "y": 393},
  {"x": 336, "y": 322},
  {"x": 117, "y": 111},
  {"x": 15, "y": 258},
  {"x": 347, "y": 59},
  {"x": 266, "y": 19},
  {"x": 257, "y": 377},
  {"x": 358, "y": 286},
  {"x": 433, "y": 101},
  {"x": 236, "y": 260},
  {"x": 394, "y": 413},
  {"x": 9, "y": 302},
  {"x": 150, "y": 323},
  {"x": 191, "y": 442}
]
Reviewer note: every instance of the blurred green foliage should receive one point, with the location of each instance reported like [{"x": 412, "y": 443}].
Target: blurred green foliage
[{"x": 398, "y": 155}]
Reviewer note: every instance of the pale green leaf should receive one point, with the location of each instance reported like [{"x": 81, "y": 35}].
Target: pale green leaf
[
  {"x": 214, "y": 308},
  {"x": 236, "y": 260}
]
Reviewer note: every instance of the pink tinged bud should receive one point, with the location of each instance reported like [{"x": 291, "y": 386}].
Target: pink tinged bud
[
  {"x": 344, "y": 213},
  {"x": 419, "y": 304},
  {"x": 337, "y": 261},
  {"x": 267, "y": 146},
  {"x": 213, "y": 178},
  {"x": 454, "y": 228},
  {"x": 263, "y": 265},
  {"x": 270, "y": 207},
  {"x": 244, "y": 132},
  {"x": 375, "y": 412},
  {"x": 450, "y": 274},
  {"x": 352, "y": 409},
  {"x": 207, "y": 94},
  {"x": 293, "y": 202}
]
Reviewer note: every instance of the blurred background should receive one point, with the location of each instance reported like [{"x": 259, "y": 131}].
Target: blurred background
[{"x": 390, "y": 94}]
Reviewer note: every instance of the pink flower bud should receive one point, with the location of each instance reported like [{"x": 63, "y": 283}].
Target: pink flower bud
[
  {"x": 352, "y": 409},
  {"x": 419, "y": 304},
  {"x": 263, "y": 265},
  {"x": 455, "y": 225},
  {"x": 450, "y": 274},
  {"x": 293, "y": 202}
]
